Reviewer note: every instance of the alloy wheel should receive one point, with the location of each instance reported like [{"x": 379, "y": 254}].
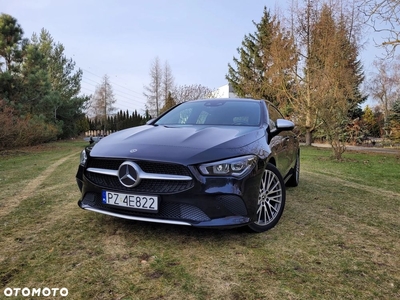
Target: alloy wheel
[{"x": 270, "y": 198}]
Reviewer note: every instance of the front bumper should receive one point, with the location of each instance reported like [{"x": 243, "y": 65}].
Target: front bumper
[
  {"x": 233, "y": 221},
  {"x": 209, "y": 202},
  {"x": 219, "y": 211}
]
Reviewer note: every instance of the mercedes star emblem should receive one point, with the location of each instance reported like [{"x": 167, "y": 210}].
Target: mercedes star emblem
[{"x": 128, "y": 174}]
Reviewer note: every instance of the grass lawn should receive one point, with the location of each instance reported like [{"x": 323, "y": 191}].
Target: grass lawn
[{"x": 339, "y": 237}]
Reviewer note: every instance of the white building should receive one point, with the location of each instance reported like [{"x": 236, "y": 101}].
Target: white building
[{"x": 225, "y": 91}]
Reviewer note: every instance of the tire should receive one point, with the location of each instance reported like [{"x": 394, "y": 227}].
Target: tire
[
  {"x": 271, "y": 200},
  {"x": 295, "y": 177}
]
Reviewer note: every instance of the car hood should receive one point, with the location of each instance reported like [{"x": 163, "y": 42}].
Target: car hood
[{"x": 182, "y": 144}]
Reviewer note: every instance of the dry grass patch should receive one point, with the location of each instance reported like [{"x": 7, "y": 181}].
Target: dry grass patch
[{"x": 338, "y": 238}]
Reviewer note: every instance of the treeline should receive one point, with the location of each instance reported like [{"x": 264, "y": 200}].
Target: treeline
[
  {"x": 39, "y": 88},
  {"x": 119, "y": 121}
]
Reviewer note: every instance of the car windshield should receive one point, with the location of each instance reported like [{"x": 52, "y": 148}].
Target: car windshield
[{"x": 214, "y": 112}]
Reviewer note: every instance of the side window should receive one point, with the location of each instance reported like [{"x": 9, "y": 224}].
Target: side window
[{"x": 274, "y": 115}]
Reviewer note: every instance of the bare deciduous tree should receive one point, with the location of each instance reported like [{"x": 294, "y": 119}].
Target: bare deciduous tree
[
  {"x": 384, "y": 86},
  {"x": 384, "y": 17},
  {"x": 185, "y": 93},
  {"x": 161, "y": 85},
  {"x": 167, "y": 82},
  {"x": 103, "y": 100},
  {"x": 154, "y": 89}
]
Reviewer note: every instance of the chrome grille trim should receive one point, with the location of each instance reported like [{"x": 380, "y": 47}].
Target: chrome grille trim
[
  {"x": 142, "y": 174},
  {"x": 103, "y": 171}
]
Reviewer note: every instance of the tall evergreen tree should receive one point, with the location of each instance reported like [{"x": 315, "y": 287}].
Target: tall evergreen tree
[
  {"x": 35, "y": 83},
  {"x": 396, "y": 110},
  {"x": 65, "y": 80},
  {"x": 335, "y": 74},
  {"x": 12, "y": 45},
  {"x": 63, "y": 105},
  {"x": 11, "y": 42},
  {"x": 169, "y": 103},
  {"x": 265, "y": 62}
]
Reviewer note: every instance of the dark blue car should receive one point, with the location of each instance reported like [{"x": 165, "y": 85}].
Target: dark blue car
[{"x": 204, "y": 163}]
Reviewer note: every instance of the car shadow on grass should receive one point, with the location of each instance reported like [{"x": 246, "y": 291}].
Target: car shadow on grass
[{"x": 161, "y": 230}]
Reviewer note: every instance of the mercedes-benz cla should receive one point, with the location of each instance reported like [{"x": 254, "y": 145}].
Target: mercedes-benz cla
[{"x": 204, "y": 163}]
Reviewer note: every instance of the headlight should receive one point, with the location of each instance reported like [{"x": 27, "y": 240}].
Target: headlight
[
  {"x": 237, "y": 166},
  {"x": 83, "y": 158}
]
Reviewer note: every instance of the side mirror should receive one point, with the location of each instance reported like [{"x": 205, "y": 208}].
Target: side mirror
[
  {"x": 280, "y": 125},
  {"x": 284, "y": 125}
]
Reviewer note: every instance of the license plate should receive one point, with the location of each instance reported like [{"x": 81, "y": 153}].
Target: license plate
[{"x": 140, "y": 202}]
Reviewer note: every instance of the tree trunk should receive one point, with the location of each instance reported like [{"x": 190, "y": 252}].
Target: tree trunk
[{"x": 308, "y": 137}]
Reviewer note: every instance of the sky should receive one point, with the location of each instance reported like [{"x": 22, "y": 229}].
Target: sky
[{"x": 121, "y": 38}]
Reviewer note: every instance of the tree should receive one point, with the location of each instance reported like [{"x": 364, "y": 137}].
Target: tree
[
  {"x": 396, "y": 110},
  {"x": 34, "y": 80},
  {"x": 154, "y": 89},
  {"x": 370, "y": 123},
  {"x": 301, "y": 94},
  {"x": 328, "y": 68},
  {"x": 103, "y": 101},
  {"x": 63, "y": 105},
  {"x": 11, "y": 42},
  {"x": 384, "y": 17},
  {"x": 395, "y": 121},
  {"x": 167, "y": 82},
  {"x": 384, "y": 87},
  {"x": 189, "y": 92},
  {"x": 12, "y": 47},
  {"x": 25, "y": 82},
  {"x": 169, "y": 103},
  {"x": 335, "y": 74},
  {"x": 265, "y": 61},
  {"x": 38, "y": 81},
  {"x": 65, "y": 81}
]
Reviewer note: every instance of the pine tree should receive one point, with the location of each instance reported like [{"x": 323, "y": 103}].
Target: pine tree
[
  {"x": 369, "y": 122},
  {"x": 65, "y": 81},
  {"x": 11, "y": 42},
  {"x": 35, "y": 84},
  {"x": 169, "y": 103},
  {"x": 12, "y": 47},
  {"x": 335, "y": 75},
  {"x": 265, "y": 62}
]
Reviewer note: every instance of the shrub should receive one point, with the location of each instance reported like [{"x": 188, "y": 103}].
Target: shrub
[{"x": 17, "y": 131}]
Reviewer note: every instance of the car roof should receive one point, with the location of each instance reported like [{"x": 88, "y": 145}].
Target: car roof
[{"x": 229, "y": 99}]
